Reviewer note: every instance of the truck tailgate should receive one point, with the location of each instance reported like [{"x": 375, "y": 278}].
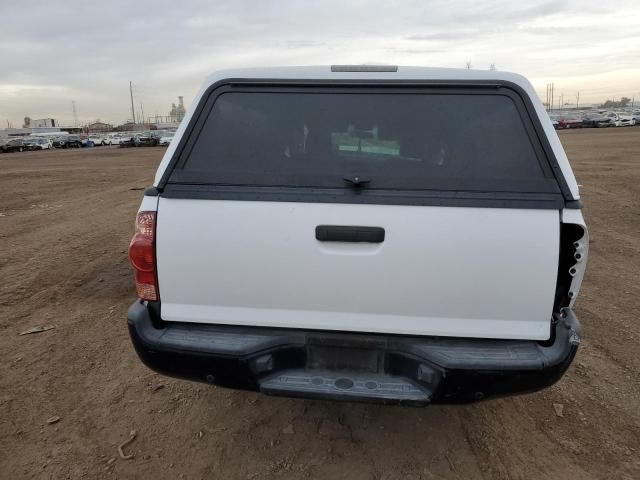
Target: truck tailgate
[{"x": 446, "y": 271}]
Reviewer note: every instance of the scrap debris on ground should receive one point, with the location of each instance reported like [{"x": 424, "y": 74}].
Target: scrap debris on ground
[
  {"x": 132, "y": 436},
  {"x": 37, "y": 329}
]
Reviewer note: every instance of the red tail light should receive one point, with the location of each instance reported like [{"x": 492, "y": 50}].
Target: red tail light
[{"x": 143, "y": 257}]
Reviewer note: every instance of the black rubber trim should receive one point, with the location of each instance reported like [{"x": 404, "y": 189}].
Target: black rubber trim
[
  {"x": 197, "y": 120},
  {"x": 151, "y": 192},
  {"x": 574, "y": 204},
  {"x": 366, "y": 196},
  {"x": 451, "y": 370},
  {"x": 348, "y": 233}
]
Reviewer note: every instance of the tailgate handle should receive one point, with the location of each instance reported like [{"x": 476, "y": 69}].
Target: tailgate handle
[{"x": 345, "y": 233}]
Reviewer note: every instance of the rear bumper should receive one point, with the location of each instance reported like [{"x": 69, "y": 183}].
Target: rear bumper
[{"x": 350, "y": 366}]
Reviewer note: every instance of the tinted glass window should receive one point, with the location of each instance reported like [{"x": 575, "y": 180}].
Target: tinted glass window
[{"x": 446, "y": 141}]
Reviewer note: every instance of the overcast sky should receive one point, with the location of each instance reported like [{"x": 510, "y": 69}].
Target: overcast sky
[{"x": 53, "y": 52}]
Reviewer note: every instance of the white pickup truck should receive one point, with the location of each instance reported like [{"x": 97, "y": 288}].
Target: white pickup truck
[{"x": 375, "y": 233}]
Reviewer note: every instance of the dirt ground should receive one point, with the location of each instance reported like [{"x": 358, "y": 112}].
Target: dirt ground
[{"x": 66, "y": 218}]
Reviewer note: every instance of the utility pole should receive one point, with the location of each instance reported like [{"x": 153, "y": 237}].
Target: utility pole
[
  {"x": 133, "y": 112},
  {"x": 577, "y": 100},
  {"x": 549, "y": 101},
  {"x": 75, "y": 113},
  {"x": 546, "y": 101}
]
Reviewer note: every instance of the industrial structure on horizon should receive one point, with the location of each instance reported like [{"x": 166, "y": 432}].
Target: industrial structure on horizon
[
  {"x": 176, "y": 114},
  {"x": 51, "y": 125}
]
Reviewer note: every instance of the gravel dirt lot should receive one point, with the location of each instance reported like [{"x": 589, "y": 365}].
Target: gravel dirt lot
[{"x": 66, "y": 218}]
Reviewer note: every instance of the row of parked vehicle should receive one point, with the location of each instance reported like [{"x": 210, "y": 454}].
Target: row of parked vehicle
[
  {"x": 22, "y": 144},
  {"x": 137, "y": 139},
  {"x": 595, "y": 119},
  {"x": 133, "y": 139},
  {"x": 43, "y": 143},
  {"x": 149, "y": 138}
]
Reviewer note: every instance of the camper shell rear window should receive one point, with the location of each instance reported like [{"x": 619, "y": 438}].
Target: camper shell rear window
[{"x": 479, "y": 141}]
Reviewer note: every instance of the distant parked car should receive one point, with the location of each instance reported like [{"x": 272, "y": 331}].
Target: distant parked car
[
  {"x": 589, "y": 119},
  {"x": 125, "y": 140},
  {"x": 141, "y": 140},
  {"x": 37, "y": 143},
  {"x": 622, "y": 119},
  {"x": 86, "y": 141},
  {"x": 14, "y": 145},
  {"x": 563, "y": 123},
  {"x": 98, "y": 140},
  {"x": 165, "y": 139},
  {"x": 597, "y": 119},
  {"x": 3, "y": 142},
  {"x": 113, "y": 139},
  {"x": 69, "y": 141}
]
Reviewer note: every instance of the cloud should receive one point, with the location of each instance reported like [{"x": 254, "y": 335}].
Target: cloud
[{"x": 56, "y": 52}]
